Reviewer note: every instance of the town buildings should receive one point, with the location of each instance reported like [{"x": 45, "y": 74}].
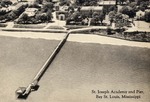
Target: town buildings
[{"x": 89, "y": 10}]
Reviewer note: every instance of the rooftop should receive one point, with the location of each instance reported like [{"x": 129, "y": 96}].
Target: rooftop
[
  {"x": 107, "y": 3},
  {"x": 31, "y": 9},
  {"x": 92, "y": 8}
]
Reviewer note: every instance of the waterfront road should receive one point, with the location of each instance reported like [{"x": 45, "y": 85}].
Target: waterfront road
[{"x": 85, "y": 63}]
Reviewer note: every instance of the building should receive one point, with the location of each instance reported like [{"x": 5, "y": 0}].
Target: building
[
  {"x": 107, "y": 4},
  {"x": 61, "y": 15},
  {"x": 31, "y": 11},
  {"x": 140, "y": 14},
  {"x": 89, "y": 10}
]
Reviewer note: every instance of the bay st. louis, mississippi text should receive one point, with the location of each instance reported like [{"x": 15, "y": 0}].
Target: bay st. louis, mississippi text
[{"x": 118, "y": 94}]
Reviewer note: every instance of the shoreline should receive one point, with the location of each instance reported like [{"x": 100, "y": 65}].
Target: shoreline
[
  {"x": 138, "y": 36},
  {"x": 82, "y": 38}
]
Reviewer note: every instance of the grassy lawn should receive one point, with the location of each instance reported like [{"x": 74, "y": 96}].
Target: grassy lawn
[{"x": 30, "y": 26}]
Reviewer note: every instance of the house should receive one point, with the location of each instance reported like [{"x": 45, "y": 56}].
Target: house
[
  {"x": 61, "y": 15},
  {"x": 107, "y": 4},
  {"x": 63, "y": 8},
  {"x": 31, "y": 11},
  {"x": 140, "y": 14},
  {"x": 89, "y": 10}
]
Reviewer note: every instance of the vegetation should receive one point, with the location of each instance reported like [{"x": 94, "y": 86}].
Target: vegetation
[
  {"x": 12, "y": 15},
  {"x": 113, "y": 8},
  {"x": 87, "y": 2},
  {"x": 44, "y": 13},
  {"x": 47, "y": 6},
  {"x": 64, "y": 2},
  {"x": 78, "y": 18},
  {"x": 34, "y": 5},
  {"x": 5, "y": 3},
  {"x": 39, "y": 1},
  {"x": 121, "y": 1},
  {"x": 121, "y": 20},
  {"x": 128, "y": 11},
  {"x": 45, "y": 9},
  {"x": 147, "y": 16},
  {"x": 112, "y": 16}
]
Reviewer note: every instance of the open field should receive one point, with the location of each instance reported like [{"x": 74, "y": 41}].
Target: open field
[{"x": 79, "y": 68}]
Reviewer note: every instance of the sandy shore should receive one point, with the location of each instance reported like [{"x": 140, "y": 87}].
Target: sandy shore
[{"x": 84, "y": 38}]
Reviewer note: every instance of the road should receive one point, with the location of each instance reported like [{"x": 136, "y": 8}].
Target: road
[{"x": 95, "y": 63}]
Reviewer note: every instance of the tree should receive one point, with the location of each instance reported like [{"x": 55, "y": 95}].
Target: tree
[
  {"x": 48, "y": 6},
  {"x": 128, "y": 11},
  {"x": 80, "y": 1},
  {"x": 131, "y": 1},
  {"x": 112, "y": 8},
  {"x": 76, "y": 17},
  {"x": 111, "y": 16},
  {"x": 39, "y": 1},
  {"x": 34, "y": 5},
  {"x": 16, "y": 13},
  {"x": 95, "y": 18},
  {"x": 132, "y": 4},
  {"x": 71, "y": 9},
  {"x": 3, "y": 17},
  {"x": 38, "y": 17},
  {"x": 3, "y": 12},
  {"x": 20, "y": 9},
  {"x": 23, "y": 18},
  {"x": 48, "y": 0},
  {"x": 122, "y": 1},
  {"x": 12, "y": 15},
  {"x": 108, "y": 30},
  {"x": 121, "y": 20},
  {"x": 43, "y": 17},
  {"x": 101, "y": 17},
  {"x": 87, "y": 2},
  {"x": 140, "y": 1},
  {"x": 147, "y": 16},
  {"x": 143, "y": 5},
  {"x": 6, "y": 3},
  {"x": 91, "y": 3},
  {"x": 49, "y": 15},
  {"x": 64, "y": 2}
]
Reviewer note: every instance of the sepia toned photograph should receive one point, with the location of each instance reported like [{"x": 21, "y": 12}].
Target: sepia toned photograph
[{"x": 74, "y": 50}]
